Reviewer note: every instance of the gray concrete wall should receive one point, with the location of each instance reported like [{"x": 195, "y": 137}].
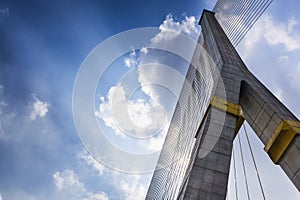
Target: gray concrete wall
[
  {"x": 186, "y": 173},
  {"x": 208, "y": 176}
]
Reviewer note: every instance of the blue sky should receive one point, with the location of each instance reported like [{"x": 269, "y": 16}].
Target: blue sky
[{"x": 42, "y": 48}]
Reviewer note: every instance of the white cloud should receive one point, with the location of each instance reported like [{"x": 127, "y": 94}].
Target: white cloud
[
  {"x": 92, "y": 162},
  {"x": 144, "y": 50},
  {"x": 278, "y": 33},
  {"x": 291, "y": 24},
  {"x": 67, "y": 179},
  {"x": 132, "y": 60},
  {"x": 1, "y": 198},
  {"x": 253, "y": 36},
  {"x": 137, "y": 117},
  {"x": 147, "y": 114},
  {"x": 150, "y": 74},
  {"x": 69, "y": 186},
  {"x": 130, "y": 186},
  {"x": 38, "y": 108},
  {"x": 155, "y": 143},
  {"x": 133, "y": 189},
  {"x": 275, "y": 33},
  {"x": 169, "y": 29},
  {"x": 166, "y": 39}
]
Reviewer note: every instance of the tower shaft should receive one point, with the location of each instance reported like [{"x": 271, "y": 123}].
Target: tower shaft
[
  {"x": 195, "y": 160},
  {"x": 274, "y": 124}
]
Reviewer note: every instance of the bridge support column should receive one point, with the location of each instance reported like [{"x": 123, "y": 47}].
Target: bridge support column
[
  {"x": 244, "y": 97},
  {"x": 275, "y": 125},
  {"x": 209, "y": 175}
]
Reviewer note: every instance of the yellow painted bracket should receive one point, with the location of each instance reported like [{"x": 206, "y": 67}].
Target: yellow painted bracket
[
  {"x": 282, "y": 138},
  {"x": 229, "y": 107}
]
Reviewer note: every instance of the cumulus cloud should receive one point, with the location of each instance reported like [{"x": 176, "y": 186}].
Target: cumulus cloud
[
  {"x": 1, "y": 198},
  {"x": 147, "y": 114},
  {"x": 155, "y": 73},
  {"x": 96, "y": 166},
  {"x": 69, "y": 186},
  {"x": 167, "y": 38},
  {"x": 132, "y": 60},
  {"x": 170, "y": 28},
  {"x": 278, "y": 33},
  {"x": 138, "y": 116},
  {"x": 38, "y": 108},
  {"x": 275, "y": 33},
  {"x": 291, "y": 24}
]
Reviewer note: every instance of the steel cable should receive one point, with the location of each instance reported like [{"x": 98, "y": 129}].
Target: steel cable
[
  {"x": 255, "y": 165},
  {"x": 244, "y": 168},
  {"x": 235, "y": 179},
  {"x": 238, "y": 17}
]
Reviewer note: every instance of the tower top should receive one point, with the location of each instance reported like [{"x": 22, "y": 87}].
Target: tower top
[{"x": 204, "y": 11}]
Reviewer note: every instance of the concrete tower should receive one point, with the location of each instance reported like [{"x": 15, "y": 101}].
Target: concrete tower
[{"x": 208, "y": 127}]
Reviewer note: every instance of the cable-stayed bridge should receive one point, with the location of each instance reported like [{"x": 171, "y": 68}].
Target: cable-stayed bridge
[{"x": 219, "y": 95}]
